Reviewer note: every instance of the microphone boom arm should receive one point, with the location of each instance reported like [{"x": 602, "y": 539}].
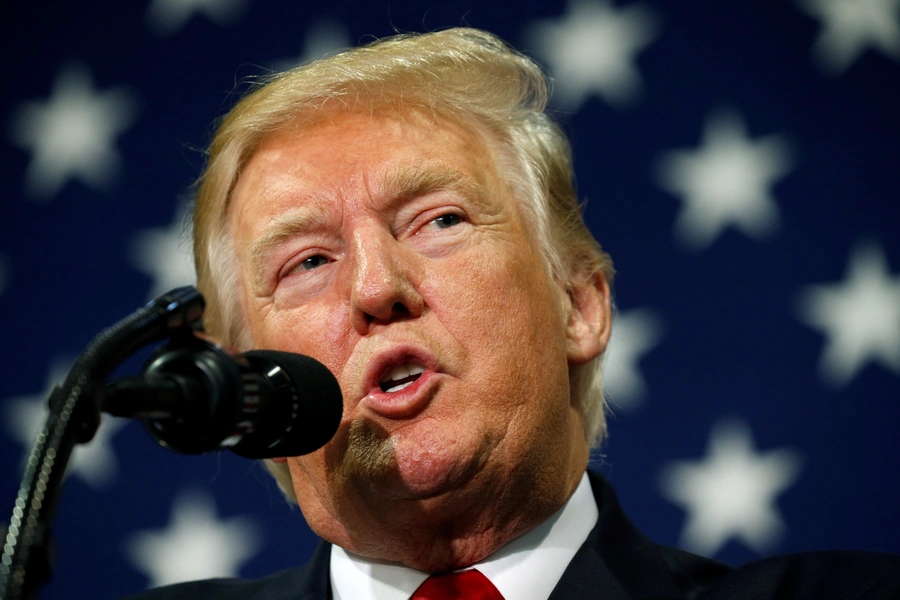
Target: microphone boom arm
[
  {"x": 193, "y": 396},
  {"x": 74, "y": 417}
]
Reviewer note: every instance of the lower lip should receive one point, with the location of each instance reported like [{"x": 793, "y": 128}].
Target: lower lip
[{"x": 406, "y": 403}]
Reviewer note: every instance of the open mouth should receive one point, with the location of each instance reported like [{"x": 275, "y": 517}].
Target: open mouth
[{"x": 400, "y": 376}]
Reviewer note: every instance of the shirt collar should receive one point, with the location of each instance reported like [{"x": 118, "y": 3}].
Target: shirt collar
[{"x": 527, "y": 568}]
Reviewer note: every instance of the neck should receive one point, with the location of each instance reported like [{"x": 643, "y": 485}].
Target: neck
[{"x": 442, "y": 534}]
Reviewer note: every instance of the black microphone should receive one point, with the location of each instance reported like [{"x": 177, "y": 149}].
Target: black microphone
[{"x": 194, "y": 397}]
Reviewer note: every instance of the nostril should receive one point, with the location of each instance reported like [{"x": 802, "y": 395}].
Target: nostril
[{"x": 398, "y": 310}]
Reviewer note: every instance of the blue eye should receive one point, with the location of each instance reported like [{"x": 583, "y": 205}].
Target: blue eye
[
  {"x": 312, "y": 262},
  {"x": 447, "y": 221}
]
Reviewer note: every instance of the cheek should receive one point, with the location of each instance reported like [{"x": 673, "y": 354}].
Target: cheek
[
  {"x": 505, "y": 298},
  {"x": 507, "y": 315},
  {"x": 315, "y": 330}
]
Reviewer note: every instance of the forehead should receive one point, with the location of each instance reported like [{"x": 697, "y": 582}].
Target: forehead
[{"x": 381, "y": 153}]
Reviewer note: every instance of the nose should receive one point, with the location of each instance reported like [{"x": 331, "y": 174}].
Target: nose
[{"x": 381, "y": 286}]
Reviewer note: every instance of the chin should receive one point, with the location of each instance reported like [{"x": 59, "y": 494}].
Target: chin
[
  {"x": 421, "y": 472},
  {"x": 418, "y": 460}
]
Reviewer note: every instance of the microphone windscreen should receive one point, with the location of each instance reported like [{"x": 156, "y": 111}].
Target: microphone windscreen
[{"x": 302, "y": 410}]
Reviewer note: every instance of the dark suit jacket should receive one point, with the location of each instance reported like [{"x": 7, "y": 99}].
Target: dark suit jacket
[{"x": 617, "y": 562}]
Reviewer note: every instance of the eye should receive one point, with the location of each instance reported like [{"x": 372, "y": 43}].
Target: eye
[
  {"x": 447, "y": 221},
  {"x": 312, "y": 262}
]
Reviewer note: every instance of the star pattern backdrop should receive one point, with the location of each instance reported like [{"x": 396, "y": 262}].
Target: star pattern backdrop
[{"x": 741, "y": 162}]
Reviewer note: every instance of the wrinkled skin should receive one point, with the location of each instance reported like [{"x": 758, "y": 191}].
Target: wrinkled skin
[{"x": 367, "y": 241}]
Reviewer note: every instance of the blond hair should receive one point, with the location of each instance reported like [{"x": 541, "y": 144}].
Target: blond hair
[{"x": 460, "y": 73}]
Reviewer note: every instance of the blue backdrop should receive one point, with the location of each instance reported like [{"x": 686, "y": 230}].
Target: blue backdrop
[{"x": 741, "y": 163}]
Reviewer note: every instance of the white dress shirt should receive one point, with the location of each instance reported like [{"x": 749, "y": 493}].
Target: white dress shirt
[{"x": 527, "y": 568}]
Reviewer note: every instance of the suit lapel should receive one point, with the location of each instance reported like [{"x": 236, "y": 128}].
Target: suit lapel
[
  {"x": 589, "y": 577},
  {"x": 617, "y": 562},
  {"x": 309, "y": 582}
]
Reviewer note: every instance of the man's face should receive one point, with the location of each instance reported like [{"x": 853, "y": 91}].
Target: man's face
[{"x": 391, "y": 250}]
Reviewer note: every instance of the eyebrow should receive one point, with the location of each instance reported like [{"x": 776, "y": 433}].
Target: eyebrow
[
  {"x": 281, "y": 229},
  {"x": 411, "y": 182}
]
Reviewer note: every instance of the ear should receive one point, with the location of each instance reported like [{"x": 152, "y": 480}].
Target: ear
[
  {"x": 280, "y": 459},
  {"x": 590, "y": 319}
]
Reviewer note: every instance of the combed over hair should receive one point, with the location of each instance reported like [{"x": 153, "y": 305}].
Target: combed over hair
[{"x": 461, "y": 73}]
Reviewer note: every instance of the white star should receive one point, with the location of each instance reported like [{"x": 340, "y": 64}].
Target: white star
[
  {"x": 725, "y": 182},
  {"x": 731, "y": 494},
  {"x": 323, "y": 38},
  {"x": 195, "y": 545},
  {"x": 165, "y": 254},
  {"x": 71, "y": 135},
  {"x": 592, "y": 50},
  {"x": 633, "y": 334},
  {"x": 94, "y": 462},
  {"x": 849, "y": 27},
  {"x": 860, "y": 317},
  {"x": 165, "y": 17}
]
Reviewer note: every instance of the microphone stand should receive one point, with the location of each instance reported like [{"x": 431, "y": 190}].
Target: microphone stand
[{"x": 74, "y": 418}]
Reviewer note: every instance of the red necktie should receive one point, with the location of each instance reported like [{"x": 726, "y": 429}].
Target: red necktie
[{"x": 467, "y": 585}]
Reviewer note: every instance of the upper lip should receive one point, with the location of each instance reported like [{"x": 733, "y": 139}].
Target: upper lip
[{"x": 396, "y": 353}]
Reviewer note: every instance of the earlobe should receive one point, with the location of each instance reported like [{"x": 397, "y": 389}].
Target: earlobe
[{"x": 590, "y": 319}]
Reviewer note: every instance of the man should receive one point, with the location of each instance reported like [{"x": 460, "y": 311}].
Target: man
[{"x": 405, "y": 213}]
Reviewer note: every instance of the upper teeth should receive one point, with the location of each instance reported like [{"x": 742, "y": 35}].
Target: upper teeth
[
  {"x": 401, "y": 371},
  {"x": 401, "y": 376}
]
